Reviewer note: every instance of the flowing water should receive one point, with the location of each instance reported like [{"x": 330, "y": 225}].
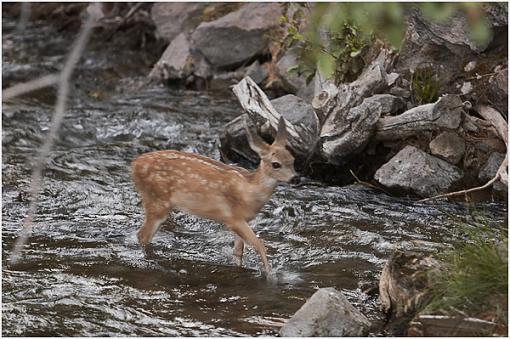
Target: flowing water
[{"x": 82, "y": 272}]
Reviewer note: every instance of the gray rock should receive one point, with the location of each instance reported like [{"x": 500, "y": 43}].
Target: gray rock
[
  {"x": 448, "y": 146},
  {"x": 238, "y": 36},
  {"x": 413, "y": 170},
  {"x": 257, "y": 72},
  {"x": 173, "y": 18},
  {"x": 299, "y": 112},
  {"x": 292, "y": 82},
  {"x": 488, "y": 171},
  {"x": 179, "y": 61},
  {"x": 326, "y": 314}
]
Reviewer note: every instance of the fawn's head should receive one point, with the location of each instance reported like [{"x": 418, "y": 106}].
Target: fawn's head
[{"x": 275, "y": 160}]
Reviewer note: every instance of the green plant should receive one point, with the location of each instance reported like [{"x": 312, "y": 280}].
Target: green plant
[
  {"x": 334, "y": 36},
  {"x": 424, "y": 85},
  {"x": 474, "y": 278}
]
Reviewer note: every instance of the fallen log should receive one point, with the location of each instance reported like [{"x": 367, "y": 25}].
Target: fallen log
[
  {"x": 446, "y": 113},
  {"x": 265, "y": 117}
]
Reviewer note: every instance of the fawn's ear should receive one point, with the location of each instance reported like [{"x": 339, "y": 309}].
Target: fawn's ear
[
  {"x": 281, "y": 134},
  {"x": 256, "y": 143}
]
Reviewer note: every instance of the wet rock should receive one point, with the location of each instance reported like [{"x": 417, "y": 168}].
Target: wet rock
[
  {"x": 448, "y": 146},
  {"x": 180, "y": 61},
  {"x": 489, "y": 170},
  {"x": 238, "y": 36},
  {"x": 173, "y": 18},
  {"x": 413, "y": 170},
  {"x": 326, "y": 314}
]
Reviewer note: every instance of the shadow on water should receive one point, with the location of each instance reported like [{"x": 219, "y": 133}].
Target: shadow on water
[{"x": 83, "y": 273}]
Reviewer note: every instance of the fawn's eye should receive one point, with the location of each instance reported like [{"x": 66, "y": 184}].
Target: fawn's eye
[{"x": 276, "y": 165}]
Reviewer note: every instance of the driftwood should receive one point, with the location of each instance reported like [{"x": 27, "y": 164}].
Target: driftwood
[
  {"x": 447, "y": 326},
  {"x": 404, "y": 287},
  {"x": 495, "y": 118},
  {"x": 349, "y": 112},
  {"x": 260, "y": 110},
  {"x": 446, "y": 113}
]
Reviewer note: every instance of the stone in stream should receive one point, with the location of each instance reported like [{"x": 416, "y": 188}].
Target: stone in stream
[
  {"x": 413, "y": 170},
  {"x": 448, "y": 146},
  {"x": 238, "y": 36},
  {"x": 179, "y": 61},
  {"x": 327, "y": 313}
]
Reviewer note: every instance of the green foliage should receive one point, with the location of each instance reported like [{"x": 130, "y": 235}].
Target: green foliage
[
  {"x": 338, "y": 34},
  {"x": 475, "y": 274},
  {"x": 424, "y": 85}
]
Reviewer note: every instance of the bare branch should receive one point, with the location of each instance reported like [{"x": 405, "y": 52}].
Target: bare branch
[
  {"x": 495, "y": 118},
  {"x": 63, "y": 89},
  {"x": 29, "y": 86}
]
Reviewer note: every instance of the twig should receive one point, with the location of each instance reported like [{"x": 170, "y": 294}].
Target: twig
[
  {"x": 30, "y": 86},
  {"x": 365, "y": 183},
  {"x": 502, "y": 168},
  {"x": 63, "y": 89},
  {"x": 129, "y": 14}
]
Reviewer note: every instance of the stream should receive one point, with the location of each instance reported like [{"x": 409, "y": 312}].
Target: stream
[{"x": 82, "y": 272}]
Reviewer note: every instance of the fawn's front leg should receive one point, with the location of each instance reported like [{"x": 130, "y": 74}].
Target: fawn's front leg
[
  {"x": 238, "y": 250},
  {"x": 243, "y": 230}
]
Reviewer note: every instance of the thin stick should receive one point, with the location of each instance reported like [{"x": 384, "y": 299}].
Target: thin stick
[
  {"x": 63, "y": 89},
  {"x": 502, "y": 167},
  {"x": 30, "y": 86}
]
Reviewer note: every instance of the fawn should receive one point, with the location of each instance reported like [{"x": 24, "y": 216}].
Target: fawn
[{"x": 201, "y": 186}]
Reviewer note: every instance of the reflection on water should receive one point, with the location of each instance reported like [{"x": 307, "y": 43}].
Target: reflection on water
[{"x": 83, "y": 272}]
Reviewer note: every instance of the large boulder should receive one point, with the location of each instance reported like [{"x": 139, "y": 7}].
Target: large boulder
[
  {"x": 238, "y": 36},
  {"x": 173, "y": 18},
  {"x": 180, "y": 61},
  {"x": 413, "y": 170},
  {"x": 326, "y": 314},
  {"x": 448, "y": 146},
  {"x": 292, "y": 82}
]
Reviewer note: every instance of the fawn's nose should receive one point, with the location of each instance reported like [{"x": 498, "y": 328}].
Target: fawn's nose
[{"x": 295, "y": 180}]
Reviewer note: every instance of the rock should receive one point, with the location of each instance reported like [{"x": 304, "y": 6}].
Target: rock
[
  {"x": 179, "y": 61},
  {"x": 326, "y": 314},
  {"x": 490, "y": 168},
  {"x": 448, "y": 146},
  {"x": 355, "y": 128},
  {"x": 291, "y": 82},
  {"x": 497, "y": 91},
  {"x": 413, "y": 170},
  {"x": 300, "y": 113},
  {"x": 238, "y": 36},
  {"x": 257, "y": 72},
  {"x": 400, "y": 92},
  {"x": 448, "y": 44},
  {"x": 234, "y": 147},
  {"x": 174, "y": 18}
]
